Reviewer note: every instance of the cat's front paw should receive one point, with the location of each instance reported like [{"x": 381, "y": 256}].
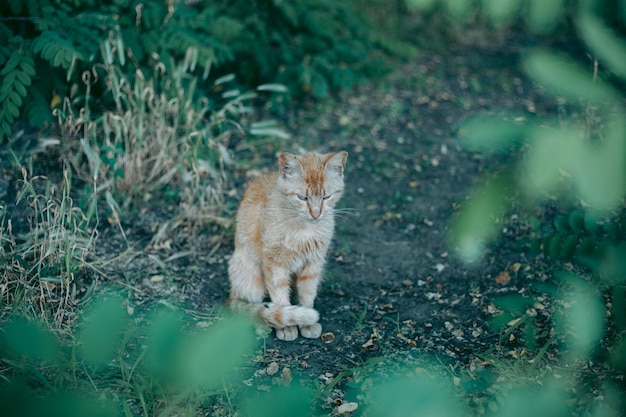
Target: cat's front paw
[
  {"x": 287, "y": 333},
  {"x": 312, "y": 331}
]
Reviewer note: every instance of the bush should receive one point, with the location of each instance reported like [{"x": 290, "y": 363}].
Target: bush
[{"x": 312, "y": 46}]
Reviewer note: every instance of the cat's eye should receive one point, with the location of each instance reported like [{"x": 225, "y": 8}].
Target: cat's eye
[
  {"x": 302, "y": 197},
  {"x": 326, "y": 197}
]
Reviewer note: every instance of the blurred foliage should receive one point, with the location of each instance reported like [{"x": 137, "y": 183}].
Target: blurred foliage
[
  {"x": 119, "y": 364},
  {"x": 566, "y": 184},
  {"x": 312, "y": 46}
]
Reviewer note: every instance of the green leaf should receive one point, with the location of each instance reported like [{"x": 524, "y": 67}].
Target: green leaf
[
  {"x": 581, "y": 320},
  {"x": 281, "y": 401},
  {"x": 566, "y": 78},
  {"x": 419, "y": 395},
  {"x": 576, "y": 221},
  {"x": 164, "y": 342},
  {"x": 28, "y": 66},
  {"x": 13, "y": 62},
  {"x": 210, "y": 358},
  {"x": 11, "y": 109},
  {"x": 24, "y": 339},
  {"x": 501, "y": 12},
  {"x": 19, "y": 88},
  {"x": 568, "y": 248},
  {"x": 607, "y": 44},
  {"x": 599, "y": 172},
  {"x": 101, "y": 331},
  {"x": 492, "y": 134},
  {"x": 420, "y": 4},
  {"x": 24, "y": 79},
  {"x": 478, "y": 221},
  {"x": 544, "y": 14},
  {"x": 527, "y": 401},
  {"x": 458, "y": 8},
  {"x": 552, "y": 154}
]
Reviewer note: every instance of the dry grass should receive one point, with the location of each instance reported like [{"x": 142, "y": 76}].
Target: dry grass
[{"x": 39, "y": 266}]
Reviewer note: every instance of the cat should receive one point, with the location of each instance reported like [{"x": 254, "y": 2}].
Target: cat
[{"x": 284, "y": 225}]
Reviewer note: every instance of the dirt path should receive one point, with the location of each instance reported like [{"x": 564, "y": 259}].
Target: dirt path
[{"x": 393, "y": 286}]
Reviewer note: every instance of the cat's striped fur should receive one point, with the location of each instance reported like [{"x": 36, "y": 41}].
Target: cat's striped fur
[{"x": 285, "y": 223}]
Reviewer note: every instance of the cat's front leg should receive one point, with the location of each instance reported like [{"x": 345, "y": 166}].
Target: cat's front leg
[
  {"x": 278, "y": 283},
  {"x": 307, "y": 282}
]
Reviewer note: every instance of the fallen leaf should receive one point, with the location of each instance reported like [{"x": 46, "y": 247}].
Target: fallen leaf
[
  {"x": 433, "y": 295},
  {"x": 503, "y": 278},
  {"x": 370, "y": 343},
  {"x": 514, "y": 321},
  {"x": 328, "y": 338},
  {"x": 515, "y": 267},
  {"x": 491, "y": 309}
]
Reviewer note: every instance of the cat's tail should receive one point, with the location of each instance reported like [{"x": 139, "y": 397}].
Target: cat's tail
[{"x": 276, "y": 315}]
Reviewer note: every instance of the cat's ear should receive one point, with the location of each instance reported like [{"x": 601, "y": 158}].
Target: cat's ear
[
  {"x": 288, "y": 165},
  {"x": 336, "y": 162}
]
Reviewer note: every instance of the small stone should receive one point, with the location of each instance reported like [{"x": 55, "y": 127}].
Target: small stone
[
  {"x": 272, "y": 368},
  {"x": 286, "y": 377},
  {"x": 156, "y": 278},
  {"x": 347, "y": 408}
]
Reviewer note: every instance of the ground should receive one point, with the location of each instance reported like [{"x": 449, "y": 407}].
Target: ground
[{"x": 392, "y": 281}]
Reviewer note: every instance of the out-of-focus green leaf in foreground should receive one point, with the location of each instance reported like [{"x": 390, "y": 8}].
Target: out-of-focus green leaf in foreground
[
  {"x": 581, "y": 318},
  {"x": 101, "y": 331},
  {"x": 493, "y": 134},
  {"x": 567, "y": 78},
  {"x": 529, "y": 401},
  {"x": 597, "y": 169},
  {"x": 21, "y": 339},
  {"x": 19, "y": 400},
  {"x": 280, "y": 401},
  {"x": 479, "y": 220},
  {"x": 543, "y": 15},
  {"x": 209, "y": 358},
  {"x": 610, "y": 49},
  {"x": 501, "y": 12},
  {"x": 413, "y": 396}
]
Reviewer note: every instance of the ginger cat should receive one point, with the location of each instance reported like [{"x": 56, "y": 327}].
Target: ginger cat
[{"x": 285, "y": 223}]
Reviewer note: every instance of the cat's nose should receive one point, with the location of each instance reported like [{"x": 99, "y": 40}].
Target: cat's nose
[{"x": 315, "y": 213}]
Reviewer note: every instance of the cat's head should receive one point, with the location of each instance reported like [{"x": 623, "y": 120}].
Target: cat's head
[{"x": 312, "y": 183}]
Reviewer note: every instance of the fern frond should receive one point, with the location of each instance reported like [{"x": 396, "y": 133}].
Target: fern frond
[
  {"x": 14, "y": 79},
  {"x": 57, "y": 49}
]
